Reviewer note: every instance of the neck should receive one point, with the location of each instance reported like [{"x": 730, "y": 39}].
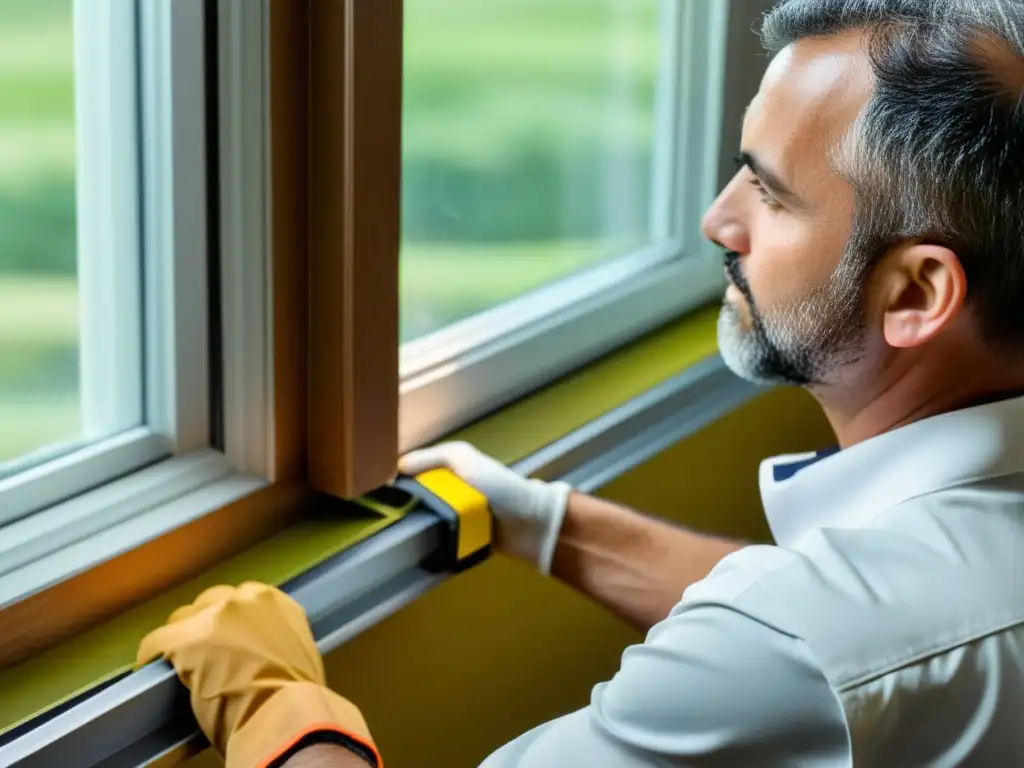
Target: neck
[{"x": 901, "y": 395}]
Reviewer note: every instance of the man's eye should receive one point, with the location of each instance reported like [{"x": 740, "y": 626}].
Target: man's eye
[{"x": 766, "y": 196}]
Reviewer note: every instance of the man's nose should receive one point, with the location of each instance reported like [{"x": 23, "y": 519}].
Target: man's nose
[{"x": 722, "y": 227}]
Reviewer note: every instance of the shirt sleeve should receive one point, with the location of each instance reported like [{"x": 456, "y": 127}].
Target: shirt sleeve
[{"x": 710, "y": 686}]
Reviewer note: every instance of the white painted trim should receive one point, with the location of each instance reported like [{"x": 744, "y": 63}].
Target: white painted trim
[
  {"x": 107, "y": 194},
  {"x": 109, "y": 276},
  {"x": 507, "y": 323},
  {"x": 205, "y": 495},
  {"x": 465, "y": 388},
  {"x": 172, "y": 268},
  {"x": 60, "y": 526},
  {"x": 717, "y": 25},
  {"x": 664, "y": 164},
  {"x": 705, "y": 32},
  {"x": 95, "y": 463},
  {"x": 175, "y": 242},
  {"x": 63, "y": 516},
  {"x": 245, "y": 258}
]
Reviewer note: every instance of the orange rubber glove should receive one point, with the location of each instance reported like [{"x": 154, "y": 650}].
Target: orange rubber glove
[{"x": 256, "y": 679}]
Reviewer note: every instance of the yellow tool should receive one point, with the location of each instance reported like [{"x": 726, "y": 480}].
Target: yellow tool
[{"x": 464, "y": 510}]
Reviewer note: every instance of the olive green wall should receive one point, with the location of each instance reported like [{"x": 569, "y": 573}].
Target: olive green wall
[{"x": 498, "y": 650}]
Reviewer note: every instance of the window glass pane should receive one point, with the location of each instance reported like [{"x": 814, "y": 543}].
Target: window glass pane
[
  {"x": 42, "y": 410},
  {"x": 38, "y": 294},
  {"x": 527, "y": 146}
]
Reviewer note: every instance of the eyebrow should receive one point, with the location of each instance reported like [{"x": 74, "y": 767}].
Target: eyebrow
[{"x": 769, "y": 178}]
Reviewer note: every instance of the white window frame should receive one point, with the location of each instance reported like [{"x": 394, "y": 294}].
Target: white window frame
[
  {"x": 474, "y": 366},
  {"x": 175, "y": 211},
  {"x": 110, "y": 269},
  {"x": 89, "y": 505}
]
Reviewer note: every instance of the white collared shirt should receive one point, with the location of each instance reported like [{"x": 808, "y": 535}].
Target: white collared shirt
[{"x": 886, "y": 628}]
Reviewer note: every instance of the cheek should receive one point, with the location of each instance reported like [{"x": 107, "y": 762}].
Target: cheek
[{"x": 790, "y": 257}]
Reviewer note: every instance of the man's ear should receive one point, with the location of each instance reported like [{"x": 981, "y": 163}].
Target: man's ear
[{"x": 924, "y": 289}]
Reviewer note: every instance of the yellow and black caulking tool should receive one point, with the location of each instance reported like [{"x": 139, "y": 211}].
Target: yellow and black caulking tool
[{"x": 468, "y": 528}]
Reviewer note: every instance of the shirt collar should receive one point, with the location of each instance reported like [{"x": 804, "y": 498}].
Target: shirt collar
[{"x": 846, "y": 489}]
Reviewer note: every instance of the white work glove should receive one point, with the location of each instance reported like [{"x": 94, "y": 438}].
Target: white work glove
[{"x": 528, "y": 513}]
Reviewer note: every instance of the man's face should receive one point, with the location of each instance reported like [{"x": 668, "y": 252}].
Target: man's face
[{"x": 795, "y": 309}]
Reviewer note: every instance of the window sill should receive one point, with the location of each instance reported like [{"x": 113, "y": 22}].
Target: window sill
[
  {"x": 75, "y": 565},
  {"x": 64, "y": 672},
  {"x": 588, "y": 428},
  {"x": 68, "y": 538},
  {"x": 52, "y": 481},
  {"x": 526, "y": 426}
]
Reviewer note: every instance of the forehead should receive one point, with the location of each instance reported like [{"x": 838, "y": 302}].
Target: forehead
[{"x": 811, "y": 94}]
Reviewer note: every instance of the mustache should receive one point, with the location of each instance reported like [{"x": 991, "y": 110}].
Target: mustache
[{"x": 732, "y": 268}]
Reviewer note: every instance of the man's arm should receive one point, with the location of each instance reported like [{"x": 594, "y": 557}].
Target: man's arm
[
  {"x": 325, "y": 756},
  {"x": 636, "y": 566}
]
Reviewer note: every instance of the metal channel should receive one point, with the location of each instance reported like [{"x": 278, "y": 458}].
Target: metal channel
[
  {"x": 144, "y": 719},
  {"x": 335, "y": 594}
]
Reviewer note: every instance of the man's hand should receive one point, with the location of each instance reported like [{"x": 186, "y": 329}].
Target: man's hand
[
  {"x": 528, "y": 513},
  {"x": 256, "y": 679}
]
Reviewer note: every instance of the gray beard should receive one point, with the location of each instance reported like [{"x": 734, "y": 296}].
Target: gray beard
[{"x": 806, "y": 342}]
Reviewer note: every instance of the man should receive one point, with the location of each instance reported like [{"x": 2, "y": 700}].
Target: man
[{"x": 875, "y": 239}]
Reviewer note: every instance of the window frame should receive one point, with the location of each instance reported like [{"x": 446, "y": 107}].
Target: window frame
[
  {"x": 169, "y": 252},
  {"x": 354, "y": 182},
  {"x": 176, "y": 237},
  {"x": 133, "y": 524},
  {"x": 244, "y": 207},
  {"x": 112, "y": 376},
  {"x": 461, "y": 372},
  {"x": 140, "y": 533}
]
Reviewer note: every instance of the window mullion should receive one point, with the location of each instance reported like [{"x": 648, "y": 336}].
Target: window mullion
[
  {"x": 175, "y": 227},
  {"x": 354, "y": 176},
  {"x": 244, "y": 259}
]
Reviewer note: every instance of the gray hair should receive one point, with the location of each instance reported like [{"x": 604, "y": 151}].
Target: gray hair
[{"x": 938, "y": 152}]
